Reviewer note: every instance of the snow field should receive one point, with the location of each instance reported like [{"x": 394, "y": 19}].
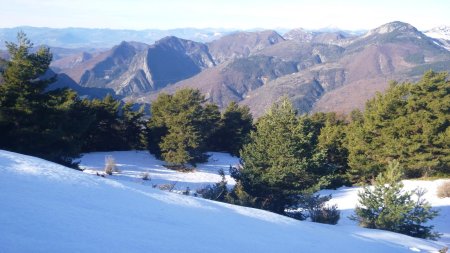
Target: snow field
[{"x": 50, "y": 208}]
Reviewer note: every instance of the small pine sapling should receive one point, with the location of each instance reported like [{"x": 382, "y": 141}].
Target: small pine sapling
[{"x": 386, "y": 206}]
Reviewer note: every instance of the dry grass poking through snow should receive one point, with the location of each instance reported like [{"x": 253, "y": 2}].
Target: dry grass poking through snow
[
  {"x": 443, "y": 191},
  {"x": 110, "y": 165}
]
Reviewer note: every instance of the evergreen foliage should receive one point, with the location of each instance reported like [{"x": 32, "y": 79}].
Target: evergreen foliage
[
  {"x": 180, "y": 127},
  {"x": 56, "y": 125},
  {"x": 103, "y": 134},
  {"x": 218, "y": 191},
  {"x": 156, "y": 127},
  {"x": 410, "y": 123},
  {"x": 329, "y": 138},
  {"x": 332, "y": 141},
  {"x": 279, "y": 161},
  {"x": 238, "y": 196},
  {"x": 317, "y": 210},
  {"x": 132, "y": 129},
  {"x": 234, "y": 128},
  {"x": 32, "y": 121},
  {"x": 386, "y": 206},
  {"x": 114, "y": 127}
]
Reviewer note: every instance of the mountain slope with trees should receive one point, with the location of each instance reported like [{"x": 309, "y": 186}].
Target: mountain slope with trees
[{"x": 318, "y": 71}]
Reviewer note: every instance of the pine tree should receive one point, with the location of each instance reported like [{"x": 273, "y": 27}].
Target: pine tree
[
  {"x": 425, "y": 133},
  {"x": 180, "y": 126},
  {"x": 235, "y": 126},
  {"x": 65, "y": 122},
  {"x": 132, "y": 125},
  {"x": 156, "y": 127},
  {"x": 279, "y": 160},
  {"x": 104, "y": 134},
  {"x": 410, "y": 123},
  {"x": 386, "y": 206},
  {"x": 184, "y": 140},
  {"x": 210, "y": 126},
  {"x": 332, "y": 141},
  {"x": 21, "y": 93},
  {"x": 33, "y": 121}
]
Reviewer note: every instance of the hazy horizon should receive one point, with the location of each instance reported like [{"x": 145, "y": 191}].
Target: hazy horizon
[{"x": 232, "y": 14}]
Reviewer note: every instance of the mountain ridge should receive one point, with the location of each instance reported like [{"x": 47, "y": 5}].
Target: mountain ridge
[{"x": 319, "y": 71}]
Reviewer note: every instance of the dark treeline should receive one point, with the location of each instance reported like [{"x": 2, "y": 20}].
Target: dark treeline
[
  {"x": 57, "y": 125},
  {"x": 283, "y": 155}
]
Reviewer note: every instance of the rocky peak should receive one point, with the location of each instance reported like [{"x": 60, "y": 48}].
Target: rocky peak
[
  {"x": 242, "y": 44},
  {"x": 180, "y": 45},
  {"x": 196, "y": 51},
  {"x": 169, "y": 40},
  {"x": 391, "y": 27},
  {"x": 123, "y": 50},
  {"x": 392, "y": 33},
  {"x": 299, "y": 34}
]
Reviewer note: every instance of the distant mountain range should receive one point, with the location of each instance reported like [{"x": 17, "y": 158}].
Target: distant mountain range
[
  {"x": 441, "y": 33},
  {"x": 318, "y": 71},
  {"x": 105, "y": 38}
]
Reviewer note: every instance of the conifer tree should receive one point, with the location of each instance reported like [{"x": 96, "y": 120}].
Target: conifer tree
[
  {"x": 210, "y": 126},
  {"x": 425, "y": 133},
  {"x": 332, "y": 141},
  {"x": 21, "y": 93},
  {"x": 183, "y": 142},
  {"x": 104, "y": 133},
  {"x": 33, "y": 121},
  {"x": 156, "y": 127},
  {"x": 180, "y": 126},
  {"x": 132, "y": 125},
  {"x": 235, "y": 126},
  {"x": 410, "y": 123},
  {"x": 386, "y": 206},
  {"x": 279, "y": 160}
]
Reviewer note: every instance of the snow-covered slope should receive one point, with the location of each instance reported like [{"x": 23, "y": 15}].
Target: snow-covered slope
[
  {"x": 346, "y": 198},
  {"x": 50, "y": 208},
  {"x": 132, "y": 165},
  {"x": 441, "y": 32}
]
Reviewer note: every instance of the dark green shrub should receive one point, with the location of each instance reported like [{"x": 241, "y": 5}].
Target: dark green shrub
[
  {"x": 314, "y": 207},
  {"x": 217, "y": 191}
]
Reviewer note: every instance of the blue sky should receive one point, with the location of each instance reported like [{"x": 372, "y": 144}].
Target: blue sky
[{"x": 241, "y": 14}]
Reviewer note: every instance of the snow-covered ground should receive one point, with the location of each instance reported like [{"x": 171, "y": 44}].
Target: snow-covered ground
[
  {"x": 346, "y": 198},
  {"x": 133, "y": 164},
  {"x": 46, "y": 207}
]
